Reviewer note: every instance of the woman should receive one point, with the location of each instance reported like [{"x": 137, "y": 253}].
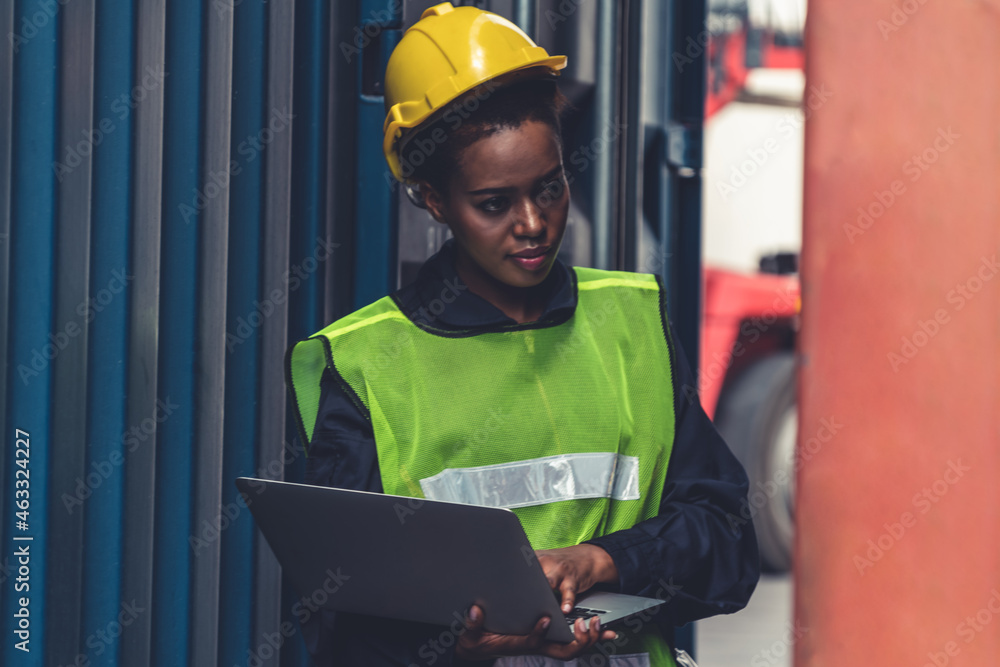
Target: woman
[{"x": 502, "y": 377}]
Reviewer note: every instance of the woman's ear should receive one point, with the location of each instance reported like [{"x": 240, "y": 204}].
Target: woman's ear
[{"x": 433, "y": 200}]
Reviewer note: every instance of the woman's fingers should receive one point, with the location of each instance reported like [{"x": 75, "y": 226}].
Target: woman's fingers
[
  {"x": 585, "y": 636},
  {"x": 537, "y": 637},
  {"x": 598, "y": 633},
  {"x": 573, "y": 570},
  {"x": 567, "y": 573},
  {"x": 567, "y": 588},
  {"x": 470, "y": 642},
  {"x": 477, "y": 642}
]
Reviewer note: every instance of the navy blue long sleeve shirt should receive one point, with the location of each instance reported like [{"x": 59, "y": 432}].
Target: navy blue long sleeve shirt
[{"x": 691, "y": 554}]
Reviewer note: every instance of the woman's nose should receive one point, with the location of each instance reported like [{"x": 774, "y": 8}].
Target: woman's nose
[{"x": 531, "y": 220}]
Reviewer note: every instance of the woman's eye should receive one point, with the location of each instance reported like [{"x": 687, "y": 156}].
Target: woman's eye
[{"x": 494, "y": 204}]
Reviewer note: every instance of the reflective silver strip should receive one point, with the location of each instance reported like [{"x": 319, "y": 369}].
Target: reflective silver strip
[
  {"x": 538, "y": 481},
  {"x": 632, "y": 660}
]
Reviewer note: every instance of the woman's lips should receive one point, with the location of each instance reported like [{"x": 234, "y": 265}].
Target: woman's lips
[{"x": 532, "y": 258}]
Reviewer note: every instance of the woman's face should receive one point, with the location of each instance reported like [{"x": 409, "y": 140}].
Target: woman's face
[{"x": 506, "y": 205}]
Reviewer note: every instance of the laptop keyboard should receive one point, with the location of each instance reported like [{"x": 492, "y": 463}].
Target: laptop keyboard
[{"x": 582, "y": 612}]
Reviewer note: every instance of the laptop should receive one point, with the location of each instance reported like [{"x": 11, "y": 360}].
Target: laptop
[{"x": 416, "y": 560}]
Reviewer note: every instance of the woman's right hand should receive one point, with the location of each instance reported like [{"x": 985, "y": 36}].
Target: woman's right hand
[{"x": 476, "y": 643}]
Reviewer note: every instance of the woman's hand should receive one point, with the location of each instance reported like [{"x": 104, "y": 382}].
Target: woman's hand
[
  {"x": 570, "y": 570},
  {"x": 479, "y": 644},
  {"x": 573, "y": 570}
]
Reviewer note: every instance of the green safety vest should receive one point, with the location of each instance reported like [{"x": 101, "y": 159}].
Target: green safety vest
[{"x": 570, "y": 426}]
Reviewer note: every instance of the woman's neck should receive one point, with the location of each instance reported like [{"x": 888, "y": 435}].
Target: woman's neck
[{"x": 521, "y": 304}]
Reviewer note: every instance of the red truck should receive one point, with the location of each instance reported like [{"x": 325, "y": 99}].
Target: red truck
[{"x": 747, "y": 378}]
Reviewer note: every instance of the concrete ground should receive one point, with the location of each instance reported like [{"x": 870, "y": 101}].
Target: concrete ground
[{"x": 760, "y": 635}]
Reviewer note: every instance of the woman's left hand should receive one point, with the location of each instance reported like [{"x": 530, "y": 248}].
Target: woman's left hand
[
  {"x": 569, "y": 570},
  {"x": 573, "y": 570}
]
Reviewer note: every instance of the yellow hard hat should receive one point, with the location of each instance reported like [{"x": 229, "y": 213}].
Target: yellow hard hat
[{"x": 445, "y": 54}]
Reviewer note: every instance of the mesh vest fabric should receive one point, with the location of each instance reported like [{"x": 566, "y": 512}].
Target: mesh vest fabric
[{"x": 598, "y": 383}]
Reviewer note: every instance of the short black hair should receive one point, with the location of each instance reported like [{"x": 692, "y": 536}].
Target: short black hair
[{"x": 432, "y": 152}]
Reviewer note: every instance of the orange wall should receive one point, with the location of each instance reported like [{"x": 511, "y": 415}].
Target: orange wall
[{"x": 898, "y": 544}]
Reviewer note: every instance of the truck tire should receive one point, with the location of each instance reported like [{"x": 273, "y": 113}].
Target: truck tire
[{"x": 757, "y": 417}]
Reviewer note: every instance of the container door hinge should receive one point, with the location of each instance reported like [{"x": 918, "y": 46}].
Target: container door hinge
[{"x": 683, "y": 148}]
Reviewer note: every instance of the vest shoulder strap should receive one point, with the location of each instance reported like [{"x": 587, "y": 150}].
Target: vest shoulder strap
[
  {"x": 306, "y": 361},
  {"x": 590, "y": 279}
]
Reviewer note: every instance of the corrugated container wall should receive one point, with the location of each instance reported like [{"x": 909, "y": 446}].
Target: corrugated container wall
[{"x": 152, "y": 157}]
